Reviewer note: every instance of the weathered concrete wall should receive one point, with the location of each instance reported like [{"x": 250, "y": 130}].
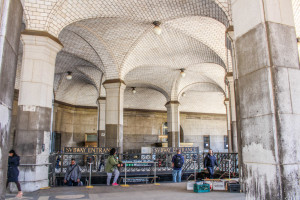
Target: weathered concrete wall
[
  {"x": 11, "y": 19},
  {"x": 141, "y": 128},
  {"x": 73, "y": 123},
  {"x": 195, "y": 126}
]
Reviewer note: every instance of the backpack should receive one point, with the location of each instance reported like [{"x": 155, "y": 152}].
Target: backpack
[{"x": 178, "y": 162}]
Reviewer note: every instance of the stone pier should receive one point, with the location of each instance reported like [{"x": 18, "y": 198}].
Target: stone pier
[
  {"x": 32, "y": 140},
  {"x": 269, "y": 98}
]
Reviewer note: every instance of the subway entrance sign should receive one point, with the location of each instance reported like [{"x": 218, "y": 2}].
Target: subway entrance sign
[{"x": 88, "y": 150}]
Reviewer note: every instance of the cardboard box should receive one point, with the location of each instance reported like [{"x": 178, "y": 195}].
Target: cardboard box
[
  {"x": 190, "y": 185},
  {"x": 219, "y": 185}
]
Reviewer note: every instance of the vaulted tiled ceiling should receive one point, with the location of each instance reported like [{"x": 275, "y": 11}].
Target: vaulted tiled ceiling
[{"x": 113, "y": 39}]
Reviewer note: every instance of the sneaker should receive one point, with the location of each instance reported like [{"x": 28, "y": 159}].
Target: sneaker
[
  {"x": 19, "y": 195},
  {"x": 115, "y": 184}
]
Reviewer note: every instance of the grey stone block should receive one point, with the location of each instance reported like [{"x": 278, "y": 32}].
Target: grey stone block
[
  {"x": 294, "y": 82},
  {"x": 254, "y": 94},
  {"x": 283, "y": 46},
  {"x": 252, "y": 51}
]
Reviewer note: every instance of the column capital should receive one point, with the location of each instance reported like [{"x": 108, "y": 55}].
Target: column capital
[
  {"x": 230, "y": 32},
  {"x": 172, "y": 103},
  {"x": 101, "y": 100},
  {"x": 113, "y": 83},
  {"x": 226, "y": 101},
  {"x": 229, "y": 77},
  {"x": 31, "y": 37}
]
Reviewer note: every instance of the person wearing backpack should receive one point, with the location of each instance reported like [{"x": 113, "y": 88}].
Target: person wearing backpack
[
  {"x": 177, "y": 163},
  {"x": 73, "y": 174}
]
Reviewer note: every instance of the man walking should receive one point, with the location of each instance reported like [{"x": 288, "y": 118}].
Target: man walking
[
  {"x": 73, "y": 174},
  {"x": 210, "y": 161},
  {"x": 177, "y": 163}
]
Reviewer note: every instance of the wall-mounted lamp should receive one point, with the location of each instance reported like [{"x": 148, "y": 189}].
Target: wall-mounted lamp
[
  {"x": 157, "y": 29},
  {"x": 133, "y": 90},
  {"x": 69, "y": 76},
  {"x": 298, "y": 40},
  {"x": 182, "y": 72}
]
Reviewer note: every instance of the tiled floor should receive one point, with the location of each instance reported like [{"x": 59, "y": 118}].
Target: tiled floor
[{"x": 166, "y": 191}]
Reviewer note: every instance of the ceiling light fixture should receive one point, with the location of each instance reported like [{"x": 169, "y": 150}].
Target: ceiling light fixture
[
  {"x": 182, "y": 73},
  {"x": 157, "y": 29},
  {"x": 69, "y": 76},
  {"x": 183, "y": 94},
  {"x": 133, "y": 90}
]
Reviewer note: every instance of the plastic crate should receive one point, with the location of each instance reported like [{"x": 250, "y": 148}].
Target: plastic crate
[
  {"x": 234, "y": 187},
  {"x": 201, "y": 188}
]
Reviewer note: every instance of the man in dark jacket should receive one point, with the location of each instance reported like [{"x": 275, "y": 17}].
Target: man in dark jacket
[
  {"x": 177, "y": 163},
  {"x": 210, "y": 161},
  {"x": 73, "y": 174}
]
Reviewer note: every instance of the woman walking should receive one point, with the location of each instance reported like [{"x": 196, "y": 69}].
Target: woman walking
[
  {"x": 112, "y": 167},
  {"x": 13, "y": 171}
]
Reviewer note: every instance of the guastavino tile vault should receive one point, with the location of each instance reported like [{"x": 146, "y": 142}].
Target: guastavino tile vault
[{"x": 221, "y": 74}]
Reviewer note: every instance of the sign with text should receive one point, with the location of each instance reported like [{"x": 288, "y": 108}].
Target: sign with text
[
  {"x": 174, "y": 149},
  {"x": 88, "y": 150}
]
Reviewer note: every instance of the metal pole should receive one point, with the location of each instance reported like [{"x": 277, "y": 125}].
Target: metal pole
[
  {"x": 229, "y": 167},
  {"x": 154, "y": 173},
  {"x": 90, "y": 174},
  {"x": 195, "y": 170},
  {"x": 125, "y": 173}
]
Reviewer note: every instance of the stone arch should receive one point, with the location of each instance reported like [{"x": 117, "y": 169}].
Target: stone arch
[
  {"x": 213, "y": 85},
  {"x": 150, "y": 86}
]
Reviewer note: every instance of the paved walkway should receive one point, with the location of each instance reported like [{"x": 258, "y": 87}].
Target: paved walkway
[{"x": 168, "y": 191}]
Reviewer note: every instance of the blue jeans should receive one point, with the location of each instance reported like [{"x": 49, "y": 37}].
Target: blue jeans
[
  {"x": 210, "y": 172},
  {"x": 176, "y": 175},
  {"x": 72, "y": 183}
]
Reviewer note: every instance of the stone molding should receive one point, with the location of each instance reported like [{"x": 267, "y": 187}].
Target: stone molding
[{"x": 43, "y": 34}]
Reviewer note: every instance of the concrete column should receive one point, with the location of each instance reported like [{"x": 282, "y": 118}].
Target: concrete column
[
  {"x": 173, "y": 123},
  {"x": 114, "y": 113},
  {"x": 11, "y": 13},
  {"x": 34, "y": 108},
  {"x": 101, "y": 101},
  {"x": 232, "y": 107},
  {"x": 268, "y": 98},
  {"x": 228, "y": 117}
]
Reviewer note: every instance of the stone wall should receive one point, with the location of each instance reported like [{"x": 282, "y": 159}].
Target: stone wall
[
  {"x": 141, "y": 128},
  {"x": 73, "y": 123}
]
